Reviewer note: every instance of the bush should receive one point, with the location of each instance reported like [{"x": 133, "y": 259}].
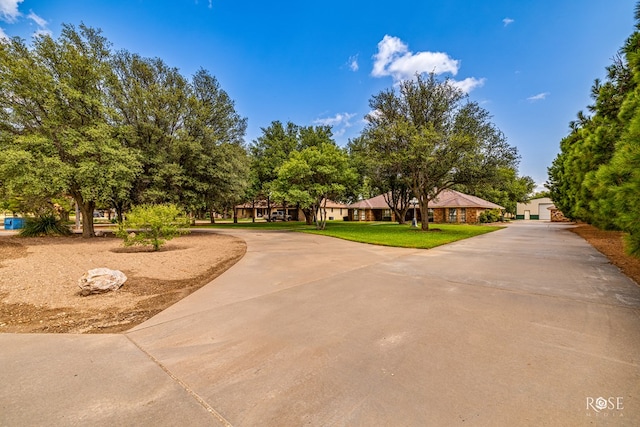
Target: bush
[
  {"x": 492, "y": 215},
  {"x": 44, "y": 225},
  {"x": 632, "y": 244},
  {"x": 152, "y": 225}
]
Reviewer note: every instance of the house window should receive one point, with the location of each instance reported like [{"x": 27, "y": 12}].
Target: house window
[
  {"x": 463, "y": 214},
  {"x": 430, "y": 214},
  {"x": 453, "y": 215},
  {"x": 355, "y": 214}
]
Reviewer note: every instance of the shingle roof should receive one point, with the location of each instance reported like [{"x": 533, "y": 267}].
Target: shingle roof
[
  {"x": 446, "y": 199},
  {"x": 372, "y": 203},
  {"x": 262, "y": 204},
  {"x": 456, "y": 199}
]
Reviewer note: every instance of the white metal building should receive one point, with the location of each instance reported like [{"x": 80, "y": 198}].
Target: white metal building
[{"x": 535, "y": 209}]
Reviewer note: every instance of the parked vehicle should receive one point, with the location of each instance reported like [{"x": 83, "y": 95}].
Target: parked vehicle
[{"x": 279, "y": 216}]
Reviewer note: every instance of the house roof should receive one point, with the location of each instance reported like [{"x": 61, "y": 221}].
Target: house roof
[
  {"x": 446, "y": 199},
  {"x": 456, "y": 199},
  {"x": 262, "y": 204},
  {"x": 377, "y": 202}
]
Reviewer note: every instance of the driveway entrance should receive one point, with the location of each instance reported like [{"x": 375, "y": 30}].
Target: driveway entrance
[{"x": 528, "y": 325}]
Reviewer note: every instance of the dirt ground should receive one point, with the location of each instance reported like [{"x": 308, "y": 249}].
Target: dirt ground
[
  {"x": 39, "y": 289},
  {"x": 611, "y": 244}
]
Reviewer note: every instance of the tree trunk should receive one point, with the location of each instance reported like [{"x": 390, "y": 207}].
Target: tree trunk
[
  {"x": 212, "y": 216},
  {"x": 308, "y": 216},
  {"x": 119, "y": 207},
  {"x": 321, "y": 219},
  {"x": 253, "y": 210},
  {"x": 86, "y": 208},
  {"x": 268, "y": 209},
  {"x": 424, "y": 213},
  {"x": 284, "y": 208}
]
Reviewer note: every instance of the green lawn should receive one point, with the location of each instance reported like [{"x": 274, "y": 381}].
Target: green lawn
[{"x": 379, "y": 233}]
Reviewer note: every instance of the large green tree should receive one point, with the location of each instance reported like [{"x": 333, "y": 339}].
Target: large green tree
[
  {"x": 268, "y": 153},
  {"x": 380, "y": 172},
  {"x": 595, "y": 178},
  {"x": 273, "y": 148},
  {"x": 58, "y": 130},
  {"x": 212, "y": 153},
  {"x": 507, "y": 191},
  {"x": 428, "y": 133},
  {"x": 151, "y": 99},
  {"x": 114, "y": 129},
  {"x": 314, "y": 175}
]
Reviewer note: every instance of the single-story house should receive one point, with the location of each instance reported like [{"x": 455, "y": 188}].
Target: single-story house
[
  {"x": 535, "y": 209},
  {"x": 258, "y": 209},
  {"x": 450, "y": 206}
]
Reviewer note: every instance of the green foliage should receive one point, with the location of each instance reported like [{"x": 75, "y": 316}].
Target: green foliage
[
  {"x": 314, "y": 175},
  {"x": 488, "y": 216},
  {"x": 56, "y": 112},
  {"x": 427, "y": 137},
  {"x": 509, "y": 190},
  {"x": 596, "y": 176},
  {"x": 152, "y": 225},
  {"x": 44, "y": 225},
  {"x": 113, "y": 129},
  {"x": 307, "y": 153}
]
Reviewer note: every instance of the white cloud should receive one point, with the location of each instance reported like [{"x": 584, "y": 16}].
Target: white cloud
[
  {"x": 3, "y": 35},
  {"x": 538, "y": 97},
  {"x": 41, "y": 23},
  {"x": 353, "y": 63},
  {"x": 339, "y": 123},
  {"x": 9, "y": 10},
  {"x": 394, "y": 59},
  {"x": 507, "y": 21},
  {"x": 38, "y": 20},
  {"x": 468, "y": 84}
]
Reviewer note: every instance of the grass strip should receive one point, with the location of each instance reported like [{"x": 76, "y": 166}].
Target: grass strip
[{"x": 378, "y": 233}]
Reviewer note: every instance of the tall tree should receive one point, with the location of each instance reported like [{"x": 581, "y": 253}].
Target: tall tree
[
  {"x": 268, "y": 153},
  {"x": 214, "y": 158},
  {"x": 509, "y": 190},
  {"x": 595, "y": 176},
  {"x": 377, "y": 164},
  {"x": 435, "y": 138},
  {"x": 54, "y": 111},
  {"x": 314, "y": 175},
  {"x": 152, "y": 99}
]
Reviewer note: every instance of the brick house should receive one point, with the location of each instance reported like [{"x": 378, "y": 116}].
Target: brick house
[
  {"x": 449, "y": 207},
  {"x": 258, "y": 209}
]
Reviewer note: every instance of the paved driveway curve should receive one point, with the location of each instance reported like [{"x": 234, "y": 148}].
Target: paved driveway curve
[{"x": 528, "y": 325}]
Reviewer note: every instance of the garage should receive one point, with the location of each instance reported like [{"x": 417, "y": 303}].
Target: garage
[{"x": 543, "y": 211}]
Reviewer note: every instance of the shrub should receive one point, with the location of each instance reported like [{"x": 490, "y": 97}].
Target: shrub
[
  {"x": 492, "y": 215},
  {"x": 44, "y": 225},
  {"x": 152, "y": 225}
]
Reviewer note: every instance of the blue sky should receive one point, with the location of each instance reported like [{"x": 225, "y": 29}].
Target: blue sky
[{"x": 530, "y": 63}]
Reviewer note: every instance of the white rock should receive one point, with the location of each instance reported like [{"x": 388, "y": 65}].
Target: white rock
[{"x": 101, "y": 280}]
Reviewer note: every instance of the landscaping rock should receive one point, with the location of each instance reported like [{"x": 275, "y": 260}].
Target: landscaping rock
[{"x": 100, "y": 280}]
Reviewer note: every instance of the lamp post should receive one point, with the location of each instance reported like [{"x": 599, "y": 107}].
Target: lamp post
[{"x": 414, "y": 223}]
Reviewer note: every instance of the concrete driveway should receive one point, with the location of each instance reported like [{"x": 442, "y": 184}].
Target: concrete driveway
[{"x": 528, "y": 325}]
